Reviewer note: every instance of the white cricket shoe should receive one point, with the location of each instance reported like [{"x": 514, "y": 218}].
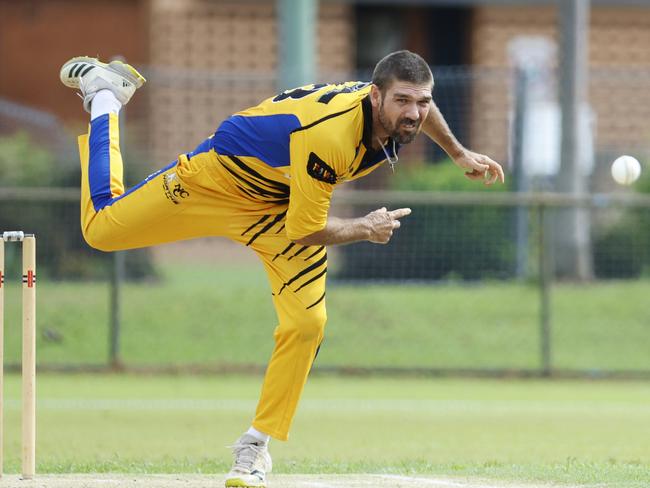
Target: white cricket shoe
[
  {"x": 252, "y": 462},
  {"x": 89, "y": 75}
]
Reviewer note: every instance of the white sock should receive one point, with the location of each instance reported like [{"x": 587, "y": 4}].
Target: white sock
[
  {"x": 103, "y": 103},
  {"x": 260, "y": 436}
]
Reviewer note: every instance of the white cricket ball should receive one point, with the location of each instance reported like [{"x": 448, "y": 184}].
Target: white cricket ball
[{"x": 626, "y": 170}]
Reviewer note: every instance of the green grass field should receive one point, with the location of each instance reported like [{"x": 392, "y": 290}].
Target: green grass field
[
  {"x": 223, "y": 315},
  {"x": 587, "y": 432},
  {"x": 549, "y": 431}
]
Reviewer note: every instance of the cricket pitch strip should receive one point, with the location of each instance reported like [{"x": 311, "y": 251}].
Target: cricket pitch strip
[{"x": 274, "y": 481}]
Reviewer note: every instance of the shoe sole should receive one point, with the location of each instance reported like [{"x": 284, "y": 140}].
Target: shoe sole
[
  {"x": 242, "y": 484},
  {"x": 118, "y": 67}
]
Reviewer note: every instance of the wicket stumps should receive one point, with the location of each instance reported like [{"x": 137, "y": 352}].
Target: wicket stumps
[{"x": 29, "y": 349}]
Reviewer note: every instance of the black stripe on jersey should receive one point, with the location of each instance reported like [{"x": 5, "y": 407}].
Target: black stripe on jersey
[
  {"x": 312, "y": 280},
  {"x": 259, "y": 191},
  {"x": 312, "y": 267},
  {"x": 327, "y": 117},
  {"x": 264, "y": 180},
  {"x": 298, "y": 252},
  {"x": 286, "y": 250},
  {"x": 256, "y": 189},
  {"x": 268, "y": 226},
  {"x": 314, "y": 253},
  {"x": 280, "y": 229},
  {"x": 251, "y": 194},
  {"x": 313, "y": 305},
  {"x": 256, "y": 224}
]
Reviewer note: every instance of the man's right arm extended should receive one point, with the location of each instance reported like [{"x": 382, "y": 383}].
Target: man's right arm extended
[
  {"x": 377, "y": 227},
  {"x": 318, "y": 156}
]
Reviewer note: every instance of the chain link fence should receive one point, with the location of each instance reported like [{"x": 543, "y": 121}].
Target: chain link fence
[
  {"x": 446, "y": 292},
  {"x": 467, "y": 284}
]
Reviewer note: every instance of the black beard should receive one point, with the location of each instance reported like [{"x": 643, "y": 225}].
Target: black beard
[{"x": 392, "y": 130}]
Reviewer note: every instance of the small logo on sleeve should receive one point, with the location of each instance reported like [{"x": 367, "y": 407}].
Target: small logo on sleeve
[
  {"x": 173, "y": 189},
  {"x": 320, "y": 170}
]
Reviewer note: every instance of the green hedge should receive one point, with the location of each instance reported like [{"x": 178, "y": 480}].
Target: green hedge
[
  {"x": 439, "y": 242},
  {"x": 622, "y": 244},
  {"x": 61, "y": 250}
]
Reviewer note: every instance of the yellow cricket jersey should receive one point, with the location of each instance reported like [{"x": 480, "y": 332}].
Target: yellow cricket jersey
[
  {"x": 296, "y": 147},
  {"x": 267, "y": 169}
]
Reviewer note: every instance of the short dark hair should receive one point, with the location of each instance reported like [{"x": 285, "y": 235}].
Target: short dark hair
[{"x": 401, "y": 66}]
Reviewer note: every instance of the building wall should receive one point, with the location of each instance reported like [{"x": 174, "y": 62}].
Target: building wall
[
  {"x": 203, "y": 59},
  {"x": 206, "y": 59},
  {"x": 619, "y": 59},
  {"x": 215, "y": 58},
  {"x": 619, "y": 37},
  {"x": 38, "y": 36}
]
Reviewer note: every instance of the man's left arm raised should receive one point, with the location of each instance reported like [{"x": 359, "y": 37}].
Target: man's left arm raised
[{"x": 477, "y": 166}]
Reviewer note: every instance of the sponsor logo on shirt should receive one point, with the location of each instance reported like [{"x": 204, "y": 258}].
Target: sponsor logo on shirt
[{"x": 320, "y": 170}]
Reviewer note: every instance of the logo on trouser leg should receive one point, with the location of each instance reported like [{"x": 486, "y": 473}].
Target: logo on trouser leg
[{"x": 173, "y": 189}]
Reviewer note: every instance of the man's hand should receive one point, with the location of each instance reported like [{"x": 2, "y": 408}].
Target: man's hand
[
  {"x": 480, "y": 167},
  {"x": 377, "y": 226},
  {"x": 381, "y": 223}
]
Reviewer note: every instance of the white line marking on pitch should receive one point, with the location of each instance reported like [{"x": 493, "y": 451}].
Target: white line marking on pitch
[
  {"x": 375, "y": 405},
  {"x": 316, "y": 484},
  {"x": 428, "y": 481}
]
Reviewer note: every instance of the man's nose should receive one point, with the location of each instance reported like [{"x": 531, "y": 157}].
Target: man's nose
[{"x": 412, "y": 112}]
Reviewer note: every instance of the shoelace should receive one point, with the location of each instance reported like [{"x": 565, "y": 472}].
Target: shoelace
[
  {"x": 83, "y": 96},
  {"x": 246, "y": 454}
]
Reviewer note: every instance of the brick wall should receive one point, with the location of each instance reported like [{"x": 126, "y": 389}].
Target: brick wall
[
  {"x": 618, "y": 55},
  {"x": 38, "y": 36},
  {"x": 221, "y": 57}
]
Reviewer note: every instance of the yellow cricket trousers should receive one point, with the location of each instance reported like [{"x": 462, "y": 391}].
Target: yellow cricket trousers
[{"x": 190, "y": 199}]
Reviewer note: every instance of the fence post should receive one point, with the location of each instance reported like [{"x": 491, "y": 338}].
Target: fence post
[
  {"x": 519, "y": 175},
  {"x": 117, "y": 273},
  {"x": 545, "y": 279},
  {"x": 297, "y": 23},
  {"x": 117, "y": 278},
  {"x": 572, "y": 247}
]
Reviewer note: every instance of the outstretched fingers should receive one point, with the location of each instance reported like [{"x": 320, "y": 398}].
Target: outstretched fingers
[
  {"x": 399, "y": 213},
  {"x": 383, "y": 222}
]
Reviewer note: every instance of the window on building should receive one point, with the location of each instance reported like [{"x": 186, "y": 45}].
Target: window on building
[{"x": 439, "y": 34}]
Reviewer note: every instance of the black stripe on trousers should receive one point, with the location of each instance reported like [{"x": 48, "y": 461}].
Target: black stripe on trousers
[
  {"x": 311, "y": 280},
  {"x": 317, "y": 301},
  {"x": 312, "y": 267},
  {"x": 298, "y": 252},
  {"x": 312, "y": 254},
  {"x": 256, "y": 224},
  {"x": 264, "y": 229},
  {"x": 286, "y": 250}
]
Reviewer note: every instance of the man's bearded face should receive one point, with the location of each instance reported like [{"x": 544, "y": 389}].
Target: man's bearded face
[{"x": 402, "y": 109}]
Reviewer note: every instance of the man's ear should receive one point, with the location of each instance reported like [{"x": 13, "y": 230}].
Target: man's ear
[{"x": 375, "y": 96}]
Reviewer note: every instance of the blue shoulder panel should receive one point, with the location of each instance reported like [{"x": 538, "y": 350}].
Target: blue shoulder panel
[
  {"x": 264, "y": 137},
  {"x": 205, "y": 146}
]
